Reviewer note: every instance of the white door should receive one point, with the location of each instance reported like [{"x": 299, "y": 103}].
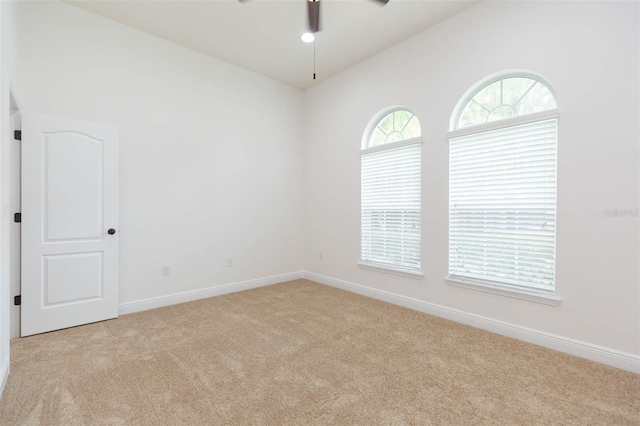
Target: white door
[{"x": 69, "y": 223}]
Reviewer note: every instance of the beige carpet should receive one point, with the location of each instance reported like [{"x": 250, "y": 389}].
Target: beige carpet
[{"x": 302, "y": 353}]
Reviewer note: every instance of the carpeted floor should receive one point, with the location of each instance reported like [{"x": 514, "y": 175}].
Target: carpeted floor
[{"x": 303, "y": 353}]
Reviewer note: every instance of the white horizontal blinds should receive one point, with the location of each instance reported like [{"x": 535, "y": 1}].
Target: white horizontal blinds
[
  {"x": 502, "y": 212},
  {"x": 391, "y": 207}
]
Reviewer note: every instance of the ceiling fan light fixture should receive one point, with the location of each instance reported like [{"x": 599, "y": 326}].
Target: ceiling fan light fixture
[{"x": 307, "y": 37}]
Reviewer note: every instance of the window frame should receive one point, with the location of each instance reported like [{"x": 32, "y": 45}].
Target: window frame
[
  {"x": 494, "y": 285},
  {"x": 366, "y": 149},
  {"x": 373, "y": 123},
  {"x": 479, "y": 86}
]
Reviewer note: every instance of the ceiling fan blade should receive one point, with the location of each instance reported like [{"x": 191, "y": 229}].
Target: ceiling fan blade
[
  {"x": 314, "y": 15},
  {"x": 381, "y": 2}
]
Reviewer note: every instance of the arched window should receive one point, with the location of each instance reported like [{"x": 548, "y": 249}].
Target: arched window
[
  {"x": 502, "y": 185},
  {"x": 505, "y": 97},
  {"x": 391, "y": 185},
  {"x": 397, "y": 125}
]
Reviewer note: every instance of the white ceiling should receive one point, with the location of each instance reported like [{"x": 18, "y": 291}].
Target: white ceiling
[{"x": 264, "y": 35}]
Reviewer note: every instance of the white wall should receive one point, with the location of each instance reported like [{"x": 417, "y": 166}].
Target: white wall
[
  {"x": 4, "y": 284},
  {"x": 210, "y": 154},
  {"x": 589, "y": 52},
  {"x": 213, "y": 165},
  {"x": 6, "y": 72}
]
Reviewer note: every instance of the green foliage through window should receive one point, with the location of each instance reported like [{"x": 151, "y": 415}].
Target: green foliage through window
[
  {"x": 506, "y": 98},
  {"x": 396, "y": 126}
]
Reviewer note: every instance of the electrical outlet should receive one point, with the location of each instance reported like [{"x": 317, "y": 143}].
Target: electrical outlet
[
  {"x": 166, "y": 270},
  {"x": 320, "y": 256},
  {"x": 229, "y": 262}
]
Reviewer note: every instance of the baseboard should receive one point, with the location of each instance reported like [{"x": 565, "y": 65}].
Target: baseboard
[
  {"x": 188, "y": 296},
  {"x": 614, "y": 358},
  {"x": 4, "y": 374},
  {"x": 567, "y": 345}
]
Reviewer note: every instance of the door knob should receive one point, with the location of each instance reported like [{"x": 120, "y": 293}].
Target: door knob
[{"x": 111, "y": 231}]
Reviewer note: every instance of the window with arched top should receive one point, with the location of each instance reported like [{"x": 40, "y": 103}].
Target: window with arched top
[
  {"x": 395, "y": 126},
  {"x": 502, "y": 186},
  {"x": 391, "y": 193},
  {"x": 505, "y": 97}
]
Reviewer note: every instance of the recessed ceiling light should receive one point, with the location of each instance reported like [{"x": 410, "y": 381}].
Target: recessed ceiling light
[{"x": 308, "y": 37}]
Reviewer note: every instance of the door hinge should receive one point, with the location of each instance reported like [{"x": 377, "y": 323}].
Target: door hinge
[
  {"x": 17, "y": 135},
  {"x": 17, "y": 217},
  {"x": 17, "y": 300}
]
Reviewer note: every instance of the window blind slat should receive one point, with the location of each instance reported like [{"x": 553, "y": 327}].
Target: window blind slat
[
  {"x": 390, "y": 222},
  {"x": 502, "y": 202},
  {"x": 516, "y": 272}
]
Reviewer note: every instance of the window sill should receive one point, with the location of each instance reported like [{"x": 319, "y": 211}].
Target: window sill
[
  {"x": 416, "y": 275},
  {"x": 531, "y": 296}
]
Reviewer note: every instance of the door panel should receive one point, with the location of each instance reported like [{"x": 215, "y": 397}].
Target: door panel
[
  {"x": 73, "y": 207},
  {"x": 86, "y": 283},
  {"x": 69, "y": 201}
]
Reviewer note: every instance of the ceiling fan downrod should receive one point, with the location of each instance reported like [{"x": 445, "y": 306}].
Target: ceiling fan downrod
[{"x": 313, "y": 8}]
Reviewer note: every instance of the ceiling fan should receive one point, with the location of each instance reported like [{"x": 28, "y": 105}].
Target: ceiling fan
[{"x": 313, "y": 8}]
